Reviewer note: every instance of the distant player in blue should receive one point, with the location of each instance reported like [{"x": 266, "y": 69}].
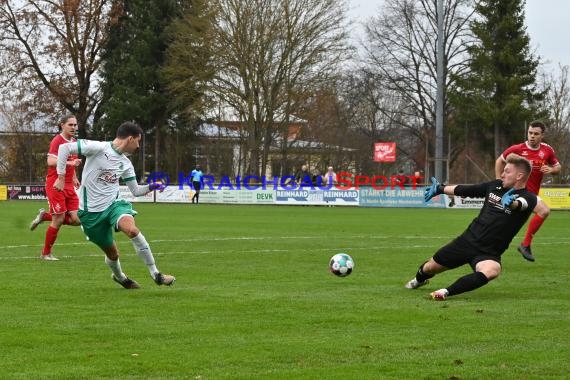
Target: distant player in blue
[{"x": 196, "y": 177}]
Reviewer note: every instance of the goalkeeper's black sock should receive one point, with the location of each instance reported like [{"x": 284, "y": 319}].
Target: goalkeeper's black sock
[
  {"x": 421, "y": 276},
  {"x": 467, "y": 283}
]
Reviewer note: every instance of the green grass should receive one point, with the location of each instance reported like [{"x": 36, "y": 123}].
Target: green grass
[{"x": 254, "y": 300}]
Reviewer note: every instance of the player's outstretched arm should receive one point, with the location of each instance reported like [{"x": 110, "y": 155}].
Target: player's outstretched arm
[
  {"x": 136, "y": 189},
  {"x": 437, "y": 188},
  {"x": 434, "y": 189},
  {"x": 140, "y": 190}
]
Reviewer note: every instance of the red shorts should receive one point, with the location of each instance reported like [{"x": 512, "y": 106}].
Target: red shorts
[{"x": 62, "y": 201}]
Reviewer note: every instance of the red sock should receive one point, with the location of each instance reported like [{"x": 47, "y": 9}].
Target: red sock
[
  {"x": 67, "y": 219},
  {"x": 533, "y": 227},
  {"x": 46, "y": 217},
  {"x": 51, "y": 236}
]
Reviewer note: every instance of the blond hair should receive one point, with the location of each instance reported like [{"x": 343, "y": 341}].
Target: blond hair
[{"x": 520, "y": 163}]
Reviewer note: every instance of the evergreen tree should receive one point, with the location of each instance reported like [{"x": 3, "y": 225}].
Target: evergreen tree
[
  {"x": 133, "y": 57},
  {"x": 189, "y": 63},
  {"x": 498, "y": 96}
]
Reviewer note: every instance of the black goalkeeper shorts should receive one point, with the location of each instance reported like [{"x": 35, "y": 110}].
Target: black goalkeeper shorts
[{"x": 459, "y": 252}]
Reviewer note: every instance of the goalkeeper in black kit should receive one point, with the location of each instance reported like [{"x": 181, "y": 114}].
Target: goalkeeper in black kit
[{"x": 507, "y": 206}]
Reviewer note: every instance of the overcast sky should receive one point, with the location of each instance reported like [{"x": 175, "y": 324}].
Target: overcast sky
[{"x": 548, "y": 25}]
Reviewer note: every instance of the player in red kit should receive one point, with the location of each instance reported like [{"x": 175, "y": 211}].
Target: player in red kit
[
  {"x": 544, "y": 161},
  {"x": 63, "y": 205}
]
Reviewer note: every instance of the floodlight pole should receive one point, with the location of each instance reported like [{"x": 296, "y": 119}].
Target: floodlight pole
[{"x": 439, "y": 96}]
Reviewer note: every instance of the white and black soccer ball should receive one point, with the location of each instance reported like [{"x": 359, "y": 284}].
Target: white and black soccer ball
[{"x": 341, "y": 265}]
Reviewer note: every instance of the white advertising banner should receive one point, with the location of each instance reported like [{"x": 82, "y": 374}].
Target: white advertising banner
[
  {"x": 125, "y": 193},
  {"x": 173, "y": 194},
  {"x": 463, "y": 202},
  {"x": 307, "y": 196}
]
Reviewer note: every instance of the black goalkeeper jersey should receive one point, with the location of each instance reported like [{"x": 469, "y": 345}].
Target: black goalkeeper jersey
[{"x": 495, "y": 227}]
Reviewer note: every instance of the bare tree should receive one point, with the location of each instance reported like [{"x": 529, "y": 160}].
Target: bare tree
[
  {"x": 401, "y": 59},
  {"x": 55, "y": 44},
  {"x": 377, "y": 113},
  {"x": 557, "y": 100},
  {"x": 268, "y": 54},
  {"x": 557, "y": 104},
  {"x": 24, "y": 139}
]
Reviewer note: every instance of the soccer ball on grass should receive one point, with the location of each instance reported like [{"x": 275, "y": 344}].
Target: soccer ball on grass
[{"x": 341, "y": 264}]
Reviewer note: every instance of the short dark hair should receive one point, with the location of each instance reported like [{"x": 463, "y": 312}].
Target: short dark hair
[
  {"x": 129, "y": 128},
  {"x": 537, "y": 124}
]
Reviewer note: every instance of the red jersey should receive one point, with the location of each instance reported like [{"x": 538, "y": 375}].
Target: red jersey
[
  {"x": 52, "y": 170},
  {"x": 543, "y": 155}
]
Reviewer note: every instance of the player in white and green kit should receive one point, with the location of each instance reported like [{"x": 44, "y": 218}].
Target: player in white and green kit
[{"x": 100, "y": 209}]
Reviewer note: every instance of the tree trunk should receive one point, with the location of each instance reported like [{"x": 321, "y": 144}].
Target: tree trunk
[
  {"x": 157, "y": 139},
  {"x": 497, "y": 139}
]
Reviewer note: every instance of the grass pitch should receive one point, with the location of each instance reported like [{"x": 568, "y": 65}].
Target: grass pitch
[{"x": 254, "y": 299}]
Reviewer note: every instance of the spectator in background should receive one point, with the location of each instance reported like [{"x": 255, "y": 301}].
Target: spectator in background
[
  {"x": 330, "y": 177},
  {"x": 400, "y": 178},
  {"x": 419, "y": 177},
  {"x": 317, "y": 178},
  {"x": 63, "y": 205},
  {"x": 303, "y": 175}
]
